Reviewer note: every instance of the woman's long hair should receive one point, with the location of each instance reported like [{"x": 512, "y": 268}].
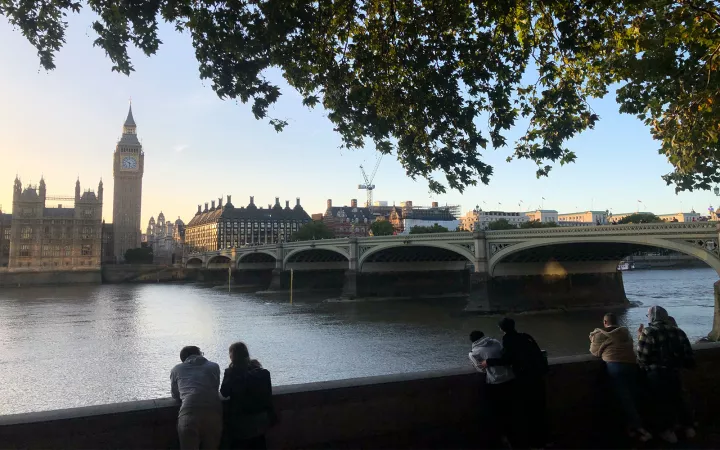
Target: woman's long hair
[{"x": 239, "y": 355}]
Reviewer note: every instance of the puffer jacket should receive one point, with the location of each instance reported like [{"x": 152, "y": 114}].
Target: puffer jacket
[
  {"x": 613, "y": 344},
  {"x": 486, "y": 348}
]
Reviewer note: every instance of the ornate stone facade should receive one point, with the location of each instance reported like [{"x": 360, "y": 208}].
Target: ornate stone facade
[
  {"x": 5, "y": 222},
  {"x": 128, "y": 168},
  {"x": 347, "y": 221},
  {"x": 166, "y": 239},
  {"x": 43, "y": 238}
]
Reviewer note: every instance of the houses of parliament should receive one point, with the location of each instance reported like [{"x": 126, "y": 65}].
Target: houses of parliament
[{"x": 44, "y": 232}]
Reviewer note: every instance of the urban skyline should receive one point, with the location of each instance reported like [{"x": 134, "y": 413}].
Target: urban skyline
[{"x": 199, "y": 147}]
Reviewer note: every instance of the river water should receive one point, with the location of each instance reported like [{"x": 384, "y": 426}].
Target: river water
[{"x": 74, "y": 346}]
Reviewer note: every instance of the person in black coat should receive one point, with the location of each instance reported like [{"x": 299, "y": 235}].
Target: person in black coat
[
  {"x": 250, "y": 411},
  {"x": 522, "y": 353}
]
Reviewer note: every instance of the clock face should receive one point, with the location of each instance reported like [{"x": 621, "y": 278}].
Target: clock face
[{"x": 129, "y": 163}]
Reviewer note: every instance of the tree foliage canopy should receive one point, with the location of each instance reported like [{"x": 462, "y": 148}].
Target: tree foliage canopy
[
  {"x": 435, "y": 228},
  {"x": 313, "y": 230},
  {"x": 437, "y": 83},
  {"x": 382, "y": 228},
  {"x": 640, "y": 218},
  {"x": 501, "y": 224},
  {"x": 141, "y": 255}
]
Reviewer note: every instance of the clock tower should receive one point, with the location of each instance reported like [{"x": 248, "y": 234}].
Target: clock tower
[{"x": 128, "y": 166}]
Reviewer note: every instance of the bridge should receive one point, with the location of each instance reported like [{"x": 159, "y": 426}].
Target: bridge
[{"x": 500, "y": 270}]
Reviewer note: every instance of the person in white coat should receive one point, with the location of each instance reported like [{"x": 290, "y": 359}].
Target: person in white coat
[{"x": 499, "y": 384}]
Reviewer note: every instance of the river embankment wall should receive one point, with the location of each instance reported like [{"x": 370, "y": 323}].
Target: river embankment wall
[
  {"x": 145, "y": 273},
  {"x": 418, "y": 410},
  {"x": 17, "y": 278}
]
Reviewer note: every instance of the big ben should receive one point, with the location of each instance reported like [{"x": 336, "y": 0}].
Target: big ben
[{"x": 128, "y": 166}]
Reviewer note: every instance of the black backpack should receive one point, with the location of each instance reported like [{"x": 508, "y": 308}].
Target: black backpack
[{"x": 530, "y": 359}]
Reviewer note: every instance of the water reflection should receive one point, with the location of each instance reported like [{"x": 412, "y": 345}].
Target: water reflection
[{"x": 74, "y": 346}]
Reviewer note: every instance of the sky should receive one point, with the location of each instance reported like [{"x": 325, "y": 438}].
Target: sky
[{"x": 64, "y": 124}]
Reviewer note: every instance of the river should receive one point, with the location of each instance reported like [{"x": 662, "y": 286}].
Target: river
[{"x": 63, "y": 347}]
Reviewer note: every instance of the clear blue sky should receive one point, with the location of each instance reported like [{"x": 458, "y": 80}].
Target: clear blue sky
[{"x": 65, "y": 124}]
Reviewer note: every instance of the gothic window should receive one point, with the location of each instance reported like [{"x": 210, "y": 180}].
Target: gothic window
[
  {"x": 67, "y": 251},
  {"x": 86, "y": 249},
  {"x": 47, "y": 231},
  {"x": 24, "y": 250},
  {"x": 45, "y": 250},
  {"x": 7, "y": 234},
  {"x": 26, "y": 233},
  {"x": 56, "y": 252},
  {"x": 87, "y": 233}
]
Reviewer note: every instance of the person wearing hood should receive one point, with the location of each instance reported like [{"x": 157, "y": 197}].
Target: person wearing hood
[
  {"x": 663, "y": 350},
  {"x": 499, "y": 383},
  {"x": 195, "y": 382},
  {"x": 614, "y": 345},
  {"x": 248, "y": 387}
]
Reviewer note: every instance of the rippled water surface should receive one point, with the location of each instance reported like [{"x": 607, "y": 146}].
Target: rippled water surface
[{"x": 75, "y": 346}]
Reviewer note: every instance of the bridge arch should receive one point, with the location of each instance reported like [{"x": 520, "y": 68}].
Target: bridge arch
[
  {"x": 219, "y": 262},
  {"x": 194, "y": 263},
  {"x": 295, "y": 253},
  {"x": 463, "y": 252},
  {"x": 681, "y": 246},
  {"x": 247, "y": 257}
]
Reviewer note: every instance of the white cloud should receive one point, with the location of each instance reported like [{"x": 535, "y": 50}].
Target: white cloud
[{"x": 180, "y": 148}]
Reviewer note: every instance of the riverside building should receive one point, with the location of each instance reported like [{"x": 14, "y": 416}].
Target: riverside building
[
  {"x": 225, "y": 226},
  {"x": 54, "y": 238}
]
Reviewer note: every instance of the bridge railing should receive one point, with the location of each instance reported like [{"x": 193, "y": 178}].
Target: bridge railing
[
  {"x": 646, "y": 228},
  {"x": 671, "y": 227}
]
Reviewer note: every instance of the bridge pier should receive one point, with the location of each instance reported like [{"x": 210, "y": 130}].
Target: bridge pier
[
  {"x": 715, "y": 333},
  {"x": 350, "y": 285},
  {"x": 568, "y": 291},
  {"x": 276, "y": 281},
  {"x": 478, "y": 295}
]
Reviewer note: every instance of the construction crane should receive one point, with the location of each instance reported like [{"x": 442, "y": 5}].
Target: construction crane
[{"x": 368, "y": 186}]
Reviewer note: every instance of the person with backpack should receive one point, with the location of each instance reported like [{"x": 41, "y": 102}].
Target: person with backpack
[
  {"x": 250, "y": 412},
  {"x": 499, "y": 387},
  {"x": 663, "y": 350},
  {"x": 528, "y": 363}
]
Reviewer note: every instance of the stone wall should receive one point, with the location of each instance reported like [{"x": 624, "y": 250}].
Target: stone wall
[
  {"x": 144, "y": 273},
  {"x": 419, "y": 410},
  {"x": 573, "y": 290},
  {"x": 48, "y": 278},
  {"x": 412, "y": 284},
  {"x": 308, "y": 279}
]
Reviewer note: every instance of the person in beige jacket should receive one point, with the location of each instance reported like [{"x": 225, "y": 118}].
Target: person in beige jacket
[{"x": 614, "y": 344}]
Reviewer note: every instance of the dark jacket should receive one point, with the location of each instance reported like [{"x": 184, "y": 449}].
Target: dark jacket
[
  {"x": 662, "y": 345},
  {"x": 250, "y": 410},
  {"x": 521, "y": 352}
]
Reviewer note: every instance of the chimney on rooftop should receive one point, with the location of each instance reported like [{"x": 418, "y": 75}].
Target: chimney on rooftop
[{"x": 353, "y": 203}]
